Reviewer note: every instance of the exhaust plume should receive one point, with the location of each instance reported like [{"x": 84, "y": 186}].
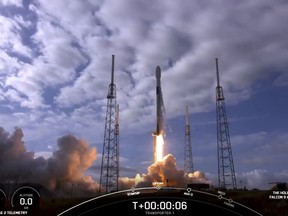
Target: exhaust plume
[{"x": 164, "y": 171}]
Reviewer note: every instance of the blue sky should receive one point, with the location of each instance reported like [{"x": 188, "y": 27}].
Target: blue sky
[{"x": 55, "y": 65}]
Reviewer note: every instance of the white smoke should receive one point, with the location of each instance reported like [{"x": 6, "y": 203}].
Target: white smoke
[
  {"x": 164, "y": 171},
  {"x": 63, "y": 173}
]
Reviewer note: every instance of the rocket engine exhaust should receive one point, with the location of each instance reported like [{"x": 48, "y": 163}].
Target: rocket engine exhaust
[{"x": 158, "y": 134}]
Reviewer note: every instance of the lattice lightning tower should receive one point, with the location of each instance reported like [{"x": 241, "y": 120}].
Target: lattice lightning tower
[
  {"x": 226, "y": 173},
  {"x": 110, "y": 154},
  {"x": 188, "y": 161}
]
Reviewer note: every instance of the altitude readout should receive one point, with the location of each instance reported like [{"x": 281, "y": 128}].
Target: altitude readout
[
  {"x": 160, "y": 205},
  {"x": 26, "y": 198},
  {"x": 3, "y": 199}
]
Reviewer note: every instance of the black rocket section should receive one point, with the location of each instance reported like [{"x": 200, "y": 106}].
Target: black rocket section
[{"x": 159, "y": 114}]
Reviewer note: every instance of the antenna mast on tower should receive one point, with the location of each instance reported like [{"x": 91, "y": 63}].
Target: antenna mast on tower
[
  {"x": 110, "y": 154},
  {"x": 188, "y": 162},
  {"x": 226, "y": 173}
]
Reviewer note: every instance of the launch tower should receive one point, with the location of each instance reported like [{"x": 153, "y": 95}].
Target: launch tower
[
  {"x": 226, "y": 173},
  {"x": 110, "y": 154},
  {"x": 188, "y": 161}
]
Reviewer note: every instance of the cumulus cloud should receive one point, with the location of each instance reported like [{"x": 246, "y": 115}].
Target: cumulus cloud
[
  {"x": 11, "y": 40},
  {"x": 185, "y": 45},
  {"x": 74, "y": 54},
  {"x": 12, "y": 2}
]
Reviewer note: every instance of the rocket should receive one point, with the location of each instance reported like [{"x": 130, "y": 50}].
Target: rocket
[
  {"x": 158, "y": 140},
  {"x": 159, "y": 103}
]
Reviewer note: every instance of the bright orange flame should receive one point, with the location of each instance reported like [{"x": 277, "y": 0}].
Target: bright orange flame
[{"x": 159, "y": 147}]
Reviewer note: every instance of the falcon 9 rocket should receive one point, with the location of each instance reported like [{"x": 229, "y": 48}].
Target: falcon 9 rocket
[{"x": 159, "y": 133}]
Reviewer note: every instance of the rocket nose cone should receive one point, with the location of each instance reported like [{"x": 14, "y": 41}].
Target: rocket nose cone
[{"x": 158, "y": 72}]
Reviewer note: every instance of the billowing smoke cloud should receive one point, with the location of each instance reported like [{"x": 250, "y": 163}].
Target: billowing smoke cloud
[
  {"x": 63, "y": 173},
  {"x": 164, "y": 171}
]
